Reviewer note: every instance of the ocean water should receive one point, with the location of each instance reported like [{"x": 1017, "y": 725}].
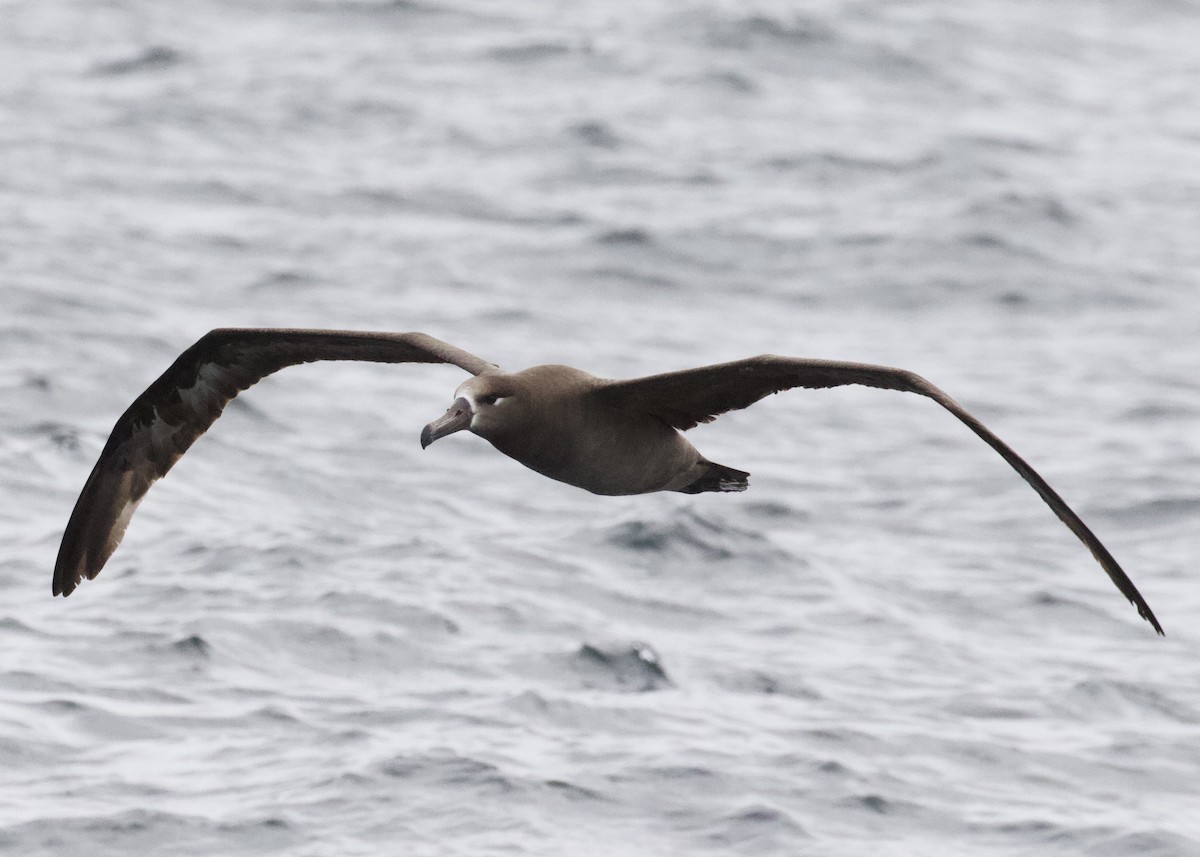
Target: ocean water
[{"x": 318, "y": 639}]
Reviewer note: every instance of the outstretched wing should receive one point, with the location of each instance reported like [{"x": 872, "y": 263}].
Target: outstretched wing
[
  {"x": 684, "y": 399},
  {"x": 180, "y": 406}
]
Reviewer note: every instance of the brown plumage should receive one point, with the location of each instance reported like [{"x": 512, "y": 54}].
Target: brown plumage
[{"x": 607, "y": 437}]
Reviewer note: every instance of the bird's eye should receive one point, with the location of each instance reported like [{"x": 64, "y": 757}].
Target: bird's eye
[{"x": 488, "y": 400}]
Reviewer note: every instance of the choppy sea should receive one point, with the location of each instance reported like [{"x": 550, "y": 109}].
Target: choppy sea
[{"x": 318, "y": 639}]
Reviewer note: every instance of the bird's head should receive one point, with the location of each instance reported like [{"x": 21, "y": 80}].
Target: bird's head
[{"x": 483, "y": 404}]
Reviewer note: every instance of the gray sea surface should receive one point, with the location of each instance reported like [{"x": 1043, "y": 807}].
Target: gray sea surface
[{"x": 318, "y": 639}]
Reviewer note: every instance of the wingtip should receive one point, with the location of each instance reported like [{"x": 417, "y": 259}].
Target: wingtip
[
  {"x": 62, "y": 584},
  {"x": 1146, "y": 613},
  {"x": 68, "y": 565},
  {"x": 70, "y": 568}
]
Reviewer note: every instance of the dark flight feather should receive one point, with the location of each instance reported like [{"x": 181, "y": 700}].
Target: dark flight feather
[
  {"x": 185, "y": 400},
  {"x": 685, "y": 399}
]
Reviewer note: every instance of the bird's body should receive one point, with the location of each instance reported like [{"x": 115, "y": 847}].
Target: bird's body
[
  {"x": 607, "y": 437},
  {"x": 546, "y": 418}
]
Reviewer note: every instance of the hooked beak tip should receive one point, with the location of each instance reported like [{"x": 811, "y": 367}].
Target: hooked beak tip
[{"x": 456, "y": 419}]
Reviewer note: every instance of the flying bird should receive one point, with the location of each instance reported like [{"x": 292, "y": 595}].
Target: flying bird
[{"x": 607, "y": 437}]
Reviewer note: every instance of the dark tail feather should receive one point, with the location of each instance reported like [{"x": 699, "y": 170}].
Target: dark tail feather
[{"x": 718, "y": 477}]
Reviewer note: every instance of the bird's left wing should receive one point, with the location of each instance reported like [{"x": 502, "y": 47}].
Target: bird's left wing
[
  {"x": 684, "y": 399},
  {"x": 182, "y": 403}
]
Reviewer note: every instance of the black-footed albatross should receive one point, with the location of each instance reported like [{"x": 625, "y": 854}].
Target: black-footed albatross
[{"x": 607, "y": 437}]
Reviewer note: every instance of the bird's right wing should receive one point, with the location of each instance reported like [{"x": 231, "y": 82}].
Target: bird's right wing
[
  {"x": 692, "y": 396},
  {"x": 186, "y": 399}
]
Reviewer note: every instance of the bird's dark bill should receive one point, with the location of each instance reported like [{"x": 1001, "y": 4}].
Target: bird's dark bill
[{"x": 456, "y": 419}]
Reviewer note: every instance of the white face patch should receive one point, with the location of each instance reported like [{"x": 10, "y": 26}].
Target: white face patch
[
  {"x": 479, "y": 401},
  {"x": 476, "y": 399}
]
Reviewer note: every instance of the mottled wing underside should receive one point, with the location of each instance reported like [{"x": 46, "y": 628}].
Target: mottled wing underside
[
  {"x": 684, "y": 399},
  {"x": 180, "y": 405}
]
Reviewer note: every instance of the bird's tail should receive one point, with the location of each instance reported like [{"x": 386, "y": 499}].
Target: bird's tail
[{"x": 718, "y": 477}]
